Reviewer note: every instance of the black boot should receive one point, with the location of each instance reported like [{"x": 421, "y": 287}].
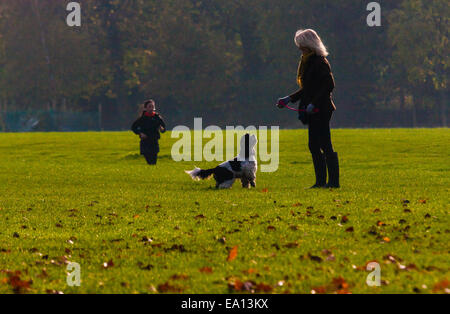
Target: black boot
[
  {"x": 320, "y": 168},
  {"x": 151, "y": 158},
  {"x": 333, "y": 171}
]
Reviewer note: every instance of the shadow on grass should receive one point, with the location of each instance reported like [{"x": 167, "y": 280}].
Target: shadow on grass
[{"x": 137, "y": 156}]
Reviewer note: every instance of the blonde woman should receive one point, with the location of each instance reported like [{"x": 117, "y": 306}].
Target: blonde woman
[{"x": 316, "y": 83}]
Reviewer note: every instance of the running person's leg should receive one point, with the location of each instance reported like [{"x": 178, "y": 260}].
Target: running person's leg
[
  {"x": 151, "y": 158},
  {"x": 150, "y": 150}
]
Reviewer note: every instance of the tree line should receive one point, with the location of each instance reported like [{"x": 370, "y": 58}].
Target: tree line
[{"x": 225, "y": 61}]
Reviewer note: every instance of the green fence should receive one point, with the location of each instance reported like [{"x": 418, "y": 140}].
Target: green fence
[{"x": 49, "y": 121}]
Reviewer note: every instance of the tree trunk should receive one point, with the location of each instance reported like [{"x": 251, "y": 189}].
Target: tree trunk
[
  {"x": 444, "y": 104},
  {"x": 46, "y": 52},
  {"x": 114, "y": 106},
  {"x": 402, "y": 106},
  {"x": 100, "y": 113},
  {"x": 2, "y": 113},
  {"x": 414, "y": 113},
  {"x": 251, "y": 44}
]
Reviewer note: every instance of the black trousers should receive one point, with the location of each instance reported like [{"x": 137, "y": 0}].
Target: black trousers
[
  {"x": 150, "y": 150},
  {"x": 151, "y": 158},
  {"x": 320, "y": 135}
]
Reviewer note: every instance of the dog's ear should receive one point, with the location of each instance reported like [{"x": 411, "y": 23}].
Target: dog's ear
[{"x": 245, "y": 139}]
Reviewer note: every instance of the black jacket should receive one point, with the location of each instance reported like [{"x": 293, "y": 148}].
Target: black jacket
[
  {"x": 318, "y": 84},
  {"x": 149, "y": 126}
]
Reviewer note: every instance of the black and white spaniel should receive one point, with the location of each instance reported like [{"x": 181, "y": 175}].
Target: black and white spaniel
[{"x": 242, "y": 167}]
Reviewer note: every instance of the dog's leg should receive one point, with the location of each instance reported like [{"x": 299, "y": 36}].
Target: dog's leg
[
  {"x": 245, "y": 183},
  {"x": 249, "y": 171},
  {"x": 224, "y": 178},
  {"x": 252, "y": 179},
  {"x": 227, "y": 184}
]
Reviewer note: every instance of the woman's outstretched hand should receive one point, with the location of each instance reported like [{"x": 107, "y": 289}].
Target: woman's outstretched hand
[{"x": 283, "y": 102}]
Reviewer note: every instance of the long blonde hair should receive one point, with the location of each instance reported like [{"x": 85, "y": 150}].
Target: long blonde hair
[{"x": 308, "y": 38}]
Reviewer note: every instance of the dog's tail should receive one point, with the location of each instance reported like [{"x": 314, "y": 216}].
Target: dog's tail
[{"x": 199, "y": 174}]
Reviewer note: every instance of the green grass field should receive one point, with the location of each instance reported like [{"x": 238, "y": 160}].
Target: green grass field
[{"x": 90, "y": 198}]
